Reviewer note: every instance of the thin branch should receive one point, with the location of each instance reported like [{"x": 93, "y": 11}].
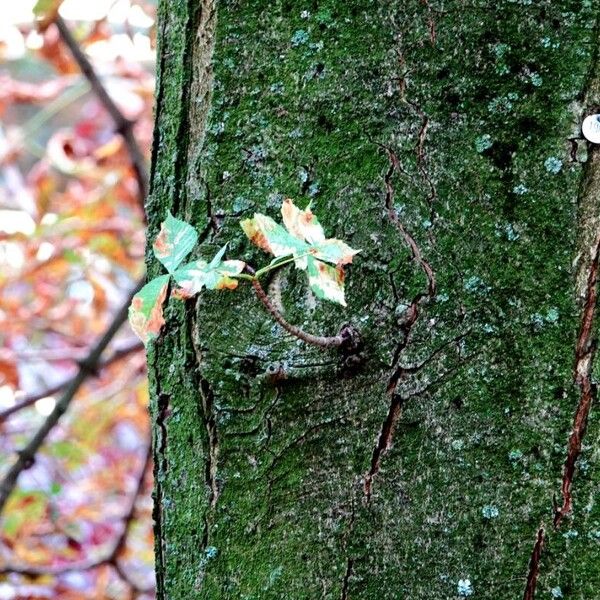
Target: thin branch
[
  {"x": 33, "y": 398},
  {"x": 86, "y": 368},
  {"x": 316, "y": 340},
  {"x": 122, "y": 125},
  {"x": 111, "y": 558}
]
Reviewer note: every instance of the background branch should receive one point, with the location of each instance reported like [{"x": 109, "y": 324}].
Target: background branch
[
  {"x": 122, "y": 125},
  {"x": 87, "y": 367},
  {"x": 33, "y": 398},
  {"x": 111, "y": 558}
]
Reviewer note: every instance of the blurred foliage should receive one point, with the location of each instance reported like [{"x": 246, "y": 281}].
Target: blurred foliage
[{"x": 78, "y": 523}]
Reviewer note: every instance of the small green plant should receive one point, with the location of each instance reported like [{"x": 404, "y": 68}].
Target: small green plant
[{"x": 302, "y": 241}]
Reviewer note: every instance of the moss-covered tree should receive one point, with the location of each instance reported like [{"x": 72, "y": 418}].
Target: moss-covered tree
[{"x": 444, "y": 456}]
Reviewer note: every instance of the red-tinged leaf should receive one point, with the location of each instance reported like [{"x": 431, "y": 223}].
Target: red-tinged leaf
[
  {"x": 174, "y": 242},
  {"x": 301, "y": 223},
  {"x": 145, "y": 313}
]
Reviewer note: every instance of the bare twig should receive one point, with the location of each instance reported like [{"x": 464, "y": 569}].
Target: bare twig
[
  {"x": 33, "y": 398},
  {"x": 110, "y": 558},
  {"x": 87, "y": 367},
  {"x": 122, "y": 125}
]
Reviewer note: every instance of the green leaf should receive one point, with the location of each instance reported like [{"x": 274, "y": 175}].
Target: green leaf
[
  {"x": 325, "y": 281},
  {"x": 304, "y": 236},
  {"x": 174, "y": 242},
  {"x": 333, "y": 251},
  {"x": 145, "y": 313},
  {"x": 272, "y": 237},
  {"x": 304, "y": 240},
  {"x": 216, "y": 275}
]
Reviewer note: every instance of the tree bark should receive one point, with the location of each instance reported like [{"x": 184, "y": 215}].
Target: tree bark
[{"x": 447, "y": 455}]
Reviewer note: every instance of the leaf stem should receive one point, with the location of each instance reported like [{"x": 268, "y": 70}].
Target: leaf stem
[
  {"x": 316, "y": 340},
  {"x": 272, "y": 266}
]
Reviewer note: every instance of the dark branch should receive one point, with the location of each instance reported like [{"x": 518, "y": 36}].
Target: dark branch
[
  {"x": 27, "y": 454},
  {"x": 122, "y": 125},
  {"x": 111, "y": 558},
  {"x": 33, "y": 398}
]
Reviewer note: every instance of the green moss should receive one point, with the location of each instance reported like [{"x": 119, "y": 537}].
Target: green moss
[{"x": 305, "y": 96}]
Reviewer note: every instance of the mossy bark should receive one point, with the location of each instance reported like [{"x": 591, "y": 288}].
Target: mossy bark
[{"x": 443, "y": 139}]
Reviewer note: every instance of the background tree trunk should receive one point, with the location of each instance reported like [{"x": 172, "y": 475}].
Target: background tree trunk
[{"x": 443, "y": 140}]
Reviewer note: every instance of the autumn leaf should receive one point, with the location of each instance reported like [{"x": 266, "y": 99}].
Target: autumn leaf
[
  {"x": 215, "y": 275},
  {"x": 271, "y": 237},
  {"x": 145, "y": 313},
  {"x": 325, "y": 281},
  {"x": 303, "y": 238},
  {"x": 174, "y": 242}
]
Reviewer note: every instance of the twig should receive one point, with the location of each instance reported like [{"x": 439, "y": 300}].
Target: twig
[
  {"x": 122, "y": 125},
  {"x": 316, "y": 340},
  {"x": 32, "y": 399},
  {"x": 86, "y": 368},
  {"x": 111, "y": 558}
]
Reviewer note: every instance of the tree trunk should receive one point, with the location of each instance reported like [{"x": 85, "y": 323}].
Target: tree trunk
[{"x": 437, "y": 458}]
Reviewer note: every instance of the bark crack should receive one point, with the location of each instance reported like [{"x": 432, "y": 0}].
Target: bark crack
[
  {"x": 586, "y": 286},
  {"x": 534, "y": 566},
  {"x": 584, "y": 359},
  {"x": 386, "y": 435}
]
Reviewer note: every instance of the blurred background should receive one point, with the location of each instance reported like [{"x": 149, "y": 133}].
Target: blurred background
[{"x": 76, "y": 92}]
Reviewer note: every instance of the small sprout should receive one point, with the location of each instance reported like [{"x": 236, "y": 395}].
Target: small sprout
[
  {"x": 302, "y": 241},
  {"x": 553, "y": 165},
  {"x": 464, "y": 588},
  {"x": 490, "y": 512}
]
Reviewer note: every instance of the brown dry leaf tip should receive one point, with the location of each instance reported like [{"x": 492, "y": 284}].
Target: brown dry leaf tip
[
  {"x": 161, "y": 245},
  {"x": 227, "y": 284},
  {"x": 255, "y": 235}
]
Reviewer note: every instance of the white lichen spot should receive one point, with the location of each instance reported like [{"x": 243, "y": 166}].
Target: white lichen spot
[
  {"x": 520, "y": 189},
  {"x": 483, "y": 142},
  {"x": 515, "y": 456},
  {"x": 457, "y": 445},
  {"x": 553, "y": 165},
  {"x": 536, "y": 79},
  {"x": 300, "y": 37},
  {"x": 489, "y": 511},
  {"x": 465, "y": 588}
]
